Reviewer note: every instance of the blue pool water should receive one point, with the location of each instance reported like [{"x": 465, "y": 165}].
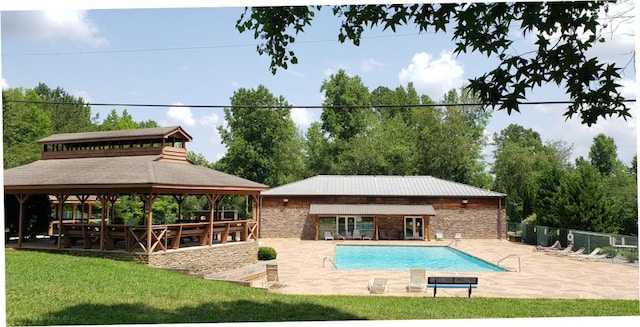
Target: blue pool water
[{"x": 391, "y": 257}]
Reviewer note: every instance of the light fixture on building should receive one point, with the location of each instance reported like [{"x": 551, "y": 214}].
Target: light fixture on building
[
  {"x": 465, "y": 201},
  {"x": 285, "y": 201}
]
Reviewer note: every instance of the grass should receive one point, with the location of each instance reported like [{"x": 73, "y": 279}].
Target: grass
[{"x": 57, "y": 289}]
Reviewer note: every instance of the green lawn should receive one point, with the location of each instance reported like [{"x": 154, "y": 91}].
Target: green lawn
[{"x": 56, "y": 289}]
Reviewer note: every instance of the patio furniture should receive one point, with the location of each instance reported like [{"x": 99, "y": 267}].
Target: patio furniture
[
  {"x": 595, "y": 254},
  {"x": 272, "y": 280},
  {"x": 383, "y": 235},
  {"x": 554, "y": 247},
  {"x": 328, "y": 235},
  {"x": 439, "y": 236},
  {"x": 356, "y": 234},
  {"x": 576, "y": 252},
  {"x": 378, "y": 286},
  {"x": 338, "y": 236},
  {"x": 564, "y": 251},
  {"x": 417, "y": 280},
  {"x": 452, "y": 282}
]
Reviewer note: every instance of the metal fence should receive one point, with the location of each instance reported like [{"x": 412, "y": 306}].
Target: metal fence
[{"x": 546, "y": 236}]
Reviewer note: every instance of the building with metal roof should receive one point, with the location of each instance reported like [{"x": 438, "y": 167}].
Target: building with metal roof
[{"x": 381, "y": 207}]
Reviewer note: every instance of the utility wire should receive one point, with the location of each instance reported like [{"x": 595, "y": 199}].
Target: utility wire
[
  {"x": 212, "y": 106},
  {"x": 204, "y": 47}
]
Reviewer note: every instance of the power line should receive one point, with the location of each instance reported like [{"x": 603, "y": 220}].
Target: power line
[
  {"x": 203, "y": 47},
  {"x": 214, "y": 106}
]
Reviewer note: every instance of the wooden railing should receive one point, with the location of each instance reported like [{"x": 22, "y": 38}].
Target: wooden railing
[{"x": 163, "y": 237}]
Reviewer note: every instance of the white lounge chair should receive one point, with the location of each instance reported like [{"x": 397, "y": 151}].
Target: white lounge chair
[
  {"x": 417, "y": 280},
  {"x": 576, "y": 252},
  {"x": 378, "y": 286},
  {"x": 338, "y": 236},
  {"x": 356, "y": 234},
  {"x": 595, "y": 254},
  {"x": 328, "y": 235},
  {"x": 564, "y": 251},
  {"x": 439, "y": 236}
]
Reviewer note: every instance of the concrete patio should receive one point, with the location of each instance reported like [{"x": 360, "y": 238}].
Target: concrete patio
[{"x": 304, "y": 269}]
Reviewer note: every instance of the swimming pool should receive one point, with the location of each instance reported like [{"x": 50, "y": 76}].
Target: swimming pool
[{"x": 397, "y": 257}]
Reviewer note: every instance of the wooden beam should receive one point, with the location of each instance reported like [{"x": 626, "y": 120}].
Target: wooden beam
[
  {"x": 22, "y": 198},
  {"x": 255, "y": 214},
  {"x": 61, "y": 198}
]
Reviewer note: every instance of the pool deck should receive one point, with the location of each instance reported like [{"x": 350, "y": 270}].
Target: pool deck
[{"x": 302, "y": 266}]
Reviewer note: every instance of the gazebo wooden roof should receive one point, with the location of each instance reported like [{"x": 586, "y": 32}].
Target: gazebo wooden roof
[{"x": 146, "y": 162}]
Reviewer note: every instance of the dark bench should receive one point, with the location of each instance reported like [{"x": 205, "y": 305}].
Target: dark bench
[{"x": 452, "y": 282}]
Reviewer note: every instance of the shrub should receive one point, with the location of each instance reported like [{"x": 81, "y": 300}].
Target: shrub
[
  {"x": 266, "y": 253},
  {"x": 610, "y": 251},
  {"x": 630, "y": 256}
]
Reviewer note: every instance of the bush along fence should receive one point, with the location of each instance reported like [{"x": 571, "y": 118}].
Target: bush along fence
[{"x": 616, "y": 245}]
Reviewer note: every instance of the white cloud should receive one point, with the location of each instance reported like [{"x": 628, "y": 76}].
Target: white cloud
[
  {"x": 370, "y": 65},
  {"x": 433, "y": 77},
  {"x": 51, "y": 25},
  {"x": 334, "y": 68},
  {"x": 210, "y": 120},
  {"x": 179, "y": 116},
  {"x": 302, "y": 117},
  {"x": 4, "y": 84},
  {"x": 629, "y": 88},
  {"x": 82, "y": 94},
  {"x": 581, "y": 136}
]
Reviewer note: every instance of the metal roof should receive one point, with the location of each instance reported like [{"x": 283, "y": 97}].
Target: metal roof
[
  {"x": 121, "y": 173},
  {"x": 371, "y": 209},
  {"x": 367, "y": 185}
]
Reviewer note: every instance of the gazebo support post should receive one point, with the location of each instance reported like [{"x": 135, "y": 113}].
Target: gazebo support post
[
  {"x": 180, "y": 199},
  {"x": 22, "y": 198},
  {"x": 255, "y": 213},
  {"x": 83, "y": 199},
  {"x": 213, "y": 199},
  {"x": 61, "y": 198},
  {"x": 148, "y": 199},
  {"x": 104, "y": 200}
]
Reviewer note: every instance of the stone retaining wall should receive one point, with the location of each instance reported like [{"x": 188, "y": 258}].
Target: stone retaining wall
[{"x": 207, "y": 259}]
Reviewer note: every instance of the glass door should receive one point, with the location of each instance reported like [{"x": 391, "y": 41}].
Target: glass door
[
  {"x": 346, "y": 225},
  {"x": 413, "y": 228}
]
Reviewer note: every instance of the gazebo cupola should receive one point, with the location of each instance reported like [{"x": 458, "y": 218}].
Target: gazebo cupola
[{"x": 169, "y": 142}]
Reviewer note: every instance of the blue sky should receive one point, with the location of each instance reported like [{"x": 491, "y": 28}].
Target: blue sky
[{"x": 195, "y": 56}]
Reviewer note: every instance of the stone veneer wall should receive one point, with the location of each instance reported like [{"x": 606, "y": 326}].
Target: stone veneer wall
[
  {"x": 290, "y": 221},
  {"x": 195, "y": 260},
  {"x": 293, "y": 221},
  {"x": 207, "y": 259},
  {"x": 471, "y": 223}
]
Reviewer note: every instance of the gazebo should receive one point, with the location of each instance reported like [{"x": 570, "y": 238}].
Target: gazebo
[{"x": 147, "y": 163}]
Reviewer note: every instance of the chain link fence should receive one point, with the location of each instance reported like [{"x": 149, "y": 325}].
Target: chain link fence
[{"x": 614, "y": 244}]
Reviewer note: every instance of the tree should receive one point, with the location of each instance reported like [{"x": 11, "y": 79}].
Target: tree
[
  {"x": 603, "y": 154},
  {"x": 346, "y": 107},
  {"x": 24, "y": 121},
  {"x": 563, "y": 32},
  {"x": 521, "y": 163},
  {"x": 68, "y": 114},
  {"x": 450, "y": 139},
  {"x": 113, "y": 122},
  {"x": 263, "y": 143},
  {"x": 582, "y": 203}
]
